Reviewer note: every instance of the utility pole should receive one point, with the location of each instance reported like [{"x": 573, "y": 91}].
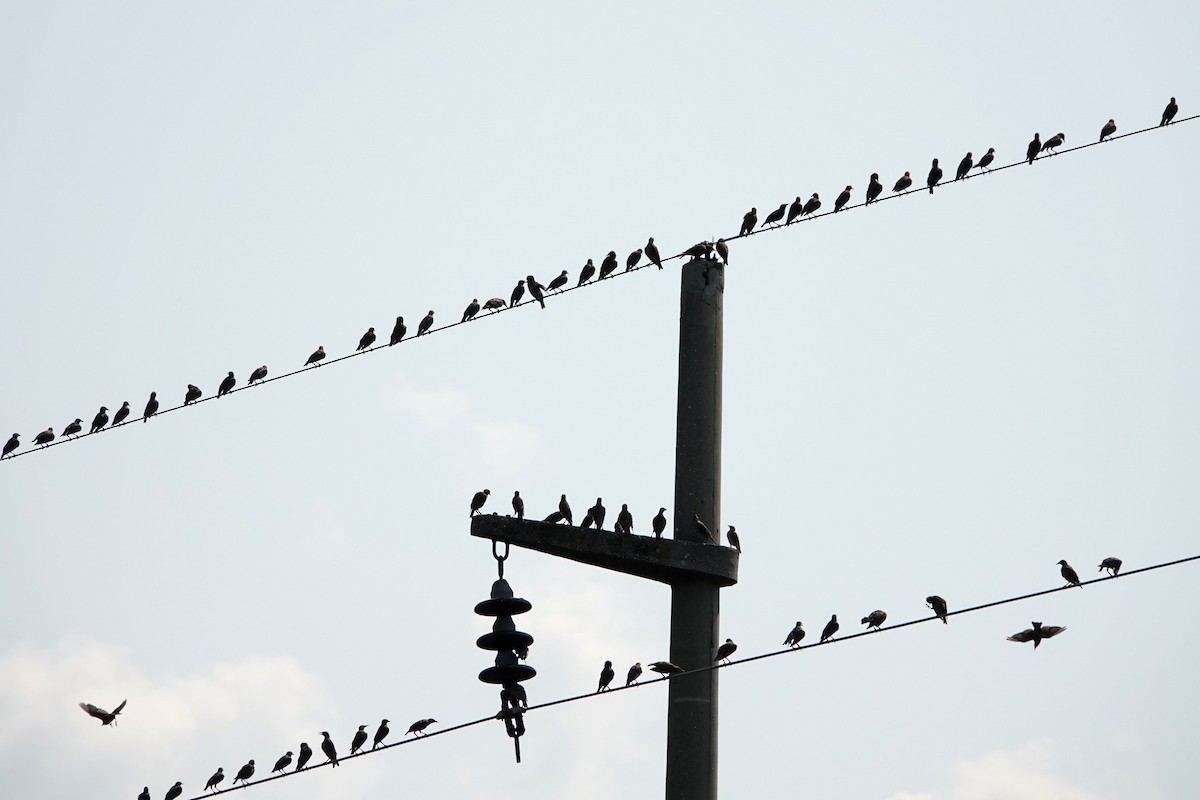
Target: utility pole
[{"x": 696, "y": 571}]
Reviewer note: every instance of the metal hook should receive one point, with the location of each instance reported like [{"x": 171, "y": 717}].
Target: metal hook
[{"x": 499, "y": 558}]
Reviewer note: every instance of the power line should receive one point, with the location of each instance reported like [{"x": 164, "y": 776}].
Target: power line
[
  {"x": 732, "y": 663},
  {"x": 916, "y": 189}
]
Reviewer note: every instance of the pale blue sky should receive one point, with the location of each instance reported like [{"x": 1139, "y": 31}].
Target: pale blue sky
[{"x": 942, "y": 394}]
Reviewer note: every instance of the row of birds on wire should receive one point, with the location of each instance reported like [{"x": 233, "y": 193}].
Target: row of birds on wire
[{"x": 784, "y": 215}]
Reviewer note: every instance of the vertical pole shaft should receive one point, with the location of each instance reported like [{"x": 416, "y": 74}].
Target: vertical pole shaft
[{"x": 695, "y": 605}]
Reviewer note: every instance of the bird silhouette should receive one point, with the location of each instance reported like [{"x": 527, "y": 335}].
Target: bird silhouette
[
  {"x": 554, "y": 517},
  {"x": 73, "y": 428},
  {"x": 935, "y": 176},
  {"x": 193, "y": 394},
  {"x": 624, "y": 520},
  {"x": 151, "y": 407},
  {"x": 257, "y": 375},
  {"x": 419, "y": 726},
  {"x": 749, "y": 221},
  {"x": 902, "y": 184},
  {"x": 518, "y": 505},
  {"x": 659, "y": 523},
  {"x": 283, "y": 763},
  {"x": 564, "y": 508},
  {"x": 734, "y": 541},
  {"x": 842, "y": 199},
  {"x": 632, "y": 260},
  {"x": 329, "y": 749},
  {"x": 1169, "y": 113},
  {"x": 597, "y": 513},
  {"x": 1054, "y": 142},
  {"x": 776, "y": 216},
  {"x": 517, "y": 293},
  {"x": 14, "y": 442},
  {"x": 723, "y": 251},
  {"x": 664, "y": 668},
  {"x": 986, "y": 159},
  {"x": 725, "y": 651},
  {"x": 831, "y": 628},
  {"x": 703, "y": 531},
  {"x": 587, "y": 520},
  {"x": 317, "y": 355},
  {"x": 1108, "y": 130},
  {"x": 100, "y": 420},
  {"x": 699, "y": 250},
  {"x": 939, "y": 607},
  {"x": 795, "y": 635},
  {"x": 1035, "y": 147},
  {"x": 875, "y": 619},
  {"x": 216, "y": 778},
  {"x": 226, "y": 385},
  {"x": 121, "y": 414},
  {"x": 964, "y": 167},
  {"x": 606, "y": 676},
  {"x": 585, "y": 274},
  {"x": 795, "y": 210},
  {"x": 145, "y": 795},
  {"x": 1069, "y": 574},
  {"x": 812, "y": 205},
  {"x": 874, "y": 188},
  {"x": 245, "y": 773},
  {"x": 634, "y": 673},
  {"x": 558, "y": 282},
  {"x": 425, "y": 324},
  {"x": 305, "y": 755},
  {"x": 174, "y": 791},
  {"x": 609, "y": 265},
  {"x": 1113, "y": 565},
  {"x": 360, "y": 738},
  {"x": 471, "y": 310},
  {"x": 1036, "y": 634},
  {"x": 366, "y": 340},
  {"x": 398, "y": 331},
  {"x": 105, "y": 717},
  {"x": 652, "y": 253},
  {"x": 478, "y": 500},
  {"x": 45, "y": 437},
  {"x": 494, "y": 304},
  {"x": 536, "y": 290},
  {"x": 380, "y": 733}
]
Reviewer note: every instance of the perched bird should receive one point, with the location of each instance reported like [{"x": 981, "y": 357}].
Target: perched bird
[
  {"x": 518, "y": 505},
  {"x": 360, "y": 738},
  {"x": 517, "y": 691},
  {"x": 517, "y": 293},
  {"x": 283, "y": 763},
  {"x": 1036, "y": 634},
  {"x": 105, "y": 717},
  {"x": 874, "y": 188},
  {"x": 624, "y": 520},
  {"x": 174, "y": 791},
  {"x": 558, "y": 282},
  {"x": 100, "y": 420},
  {"x": 1054, "y": 142},
  {"x": 1169, "y": 113},
  {"x": 1108, "y": 130},
  {"x": 554, "y": 517},
  {"x": 734, "y": 541},
  {"x": 986, "y": 160},
  {"x": 587, "y": 520},
  {"x": 317, "y": 355},
  {"x": 875, "y": 619},
  {"x": 749, "y": 221},
  {"x": 227, "y": 384},
  {"x": 245, "y": 773},
  {"x": 420, "y": 725},
  {"x": 725, "y": 651},
  {"x": 585, "y": 274},
  {"x": 831, "y": 628},
  {"x": 564, "y": 508},
  {"x": 659, "y": 523},
  {"x": 305, "y": 755},
  {"x": 606, "y": 676},
  {"x": 193, "y": 394},
  {"x": 366, "y": 340},
  {"x": 478, "y": 500},
  {"x": 795, "y": 210},
  {"x": 471, "y": 310},
  {"x": 121, "y": 414},
  {"x": 842, "y": 199},
  {"x": 812, "y": 205},
  {"x": 703, "y": 531},
  {"x": 700, "y": 250},
  {"x": 14, "y": 442},
  {"x": 425, "y": 324},
  {"x": 634, "y": 673},
  {"x": 45, "y": 437},
  {"x": 664, "y": 668},
  {"x": 328, "y": 748},
  {"x": 257, "y": 375},
  {"x": 776, "y": 216},
  {"x": 398, "y": 331},
  {"x": 939, "y": 607},
  {"x": 795, "y": 635},
  {"x": 380, "y": 733},
  {"x": 609, "y": 265},
  {"x": 145, "y": 795},
  {"x": 632, "y": 260},
  {"x": 1113, "y": 565},
  {"x": 902, "y": 184},
  {"x": 151, "y": 407},
  {"x": 72, "y": 428},
  {"x": 597, "y": 513},
  {"x": 536, "y": 290},
  {"x": 522, "y": 652},
  {"x": 964, "y": 167},
  {"x": 1069, "y": 574},
  {"x": 723, "y": 251},
  {"x": 217, "y": 777},
  {"x": 495, "y": 304},
  {"x": 652, "y": 253},
  {"x": 1035, "y": 147},
  {"x": 935, "y": 176}
]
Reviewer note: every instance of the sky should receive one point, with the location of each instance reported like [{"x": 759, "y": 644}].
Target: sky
[{"x": 945, "y": 394}]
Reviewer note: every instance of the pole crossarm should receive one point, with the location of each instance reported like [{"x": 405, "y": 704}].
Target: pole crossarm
[{"x": 668, "y": 561}]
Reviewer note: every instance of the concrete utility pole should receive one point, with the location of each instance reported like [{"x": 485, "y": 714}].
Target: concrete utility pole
[{"x": 695, "y": 571}]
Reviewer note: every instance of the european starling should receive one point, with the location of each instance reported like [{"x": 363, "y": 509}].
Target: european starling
[
  {"x": 812, "y": 205},
  {"x": 145, "y": 795},
  {"x": 987, "y": 159},
  {"x": 795, "y": 210},
  {"x": 597, "y": 513},
  {"x": 564, "y": 508},
  {"x": 257, "y": 375},
  {"x": 842, "y": 199},
  {"x": 775, "y": 216},
  {"x": 902, "y": 184},
  {"x": 193, "y": 394},
  {"x": 874, "y": 188},
  {"x": 217, "y": 777},
  {"x": 606, "y": 676},
  {"x": 536, "y": 290},
  {"x": 698, "y": 250},
  {"x": 100, "y": 420},
  {"x": 1108, "y": 130},
  {"x": 105, "y": 717},
  {"x": 652, "y": 253},
  {"x": 478, "y": 500},
  {"x": 725, "y": 651},
  {"x": 226, "y": 385},
  {"x": 1054, "y": 142},
  {"x": 283, "y": 763},
  {"x": 425, "y": 324},
  {"x": 634, "y": 673},
  {"x": 1069, "y": 574},
  {"x": 795, "y": 635},
  {"x": 380, "y": 733},
  {"x": 121, "y": 414},
  {"x": 328, "y": 748},
  {"x": 1035, "y": 147},
  {"x": 935, "y": 176},
  {"x": 585, "y": 274},
  {"x": 624, "y": 520},
  {"x": 317, "y": 355},
  {"x": 665, "y": 668},
  {"x": 518, "y": 505},
  {"x": 495, "y": 304},
  {"x": 633, "y": 259},
  {"x": 732, "y": 536},
  {"x": 245, "y": 772},
  {"x": 398, "y": 331},
  {"x": 587, "y": 520},
  {"x": 749, "y": 221},
  {"x": 517, "y": 293},
  {"x": 471, "y": 310},
  {"x": 554, "y": 517},
  {"x": 1036, "y": 634},
  {"x": 939, "y": 607},
  {"x": 609, "y": 265},
  {"x": 305, "y": 755},
  {"x": 420, "y": 725},
  {"x": 703, "y": 531},
  {"x": 14, "y": 442},
  {"x": 659, "y": 523},
  {"x": 522, "y": 652},
  {"x": 44, "y": 438},
  {"x": 366, "y": 340},
  {"x": 174, "y": 791},
  {"x": 73, "y": 428},
  {"x": 360, "y": 738},
  {"x": 875, "y": 619},
  {"x": 1113, "y": 565},
  {"x": 723, "y": 251},
  {"x": 558, "y": 282},
  {"x": 831, "y": 628},
  {"x": 1169, "y": 113},
  {"x": 151, "y": 407},
  {"x": 964, "y": 167}
]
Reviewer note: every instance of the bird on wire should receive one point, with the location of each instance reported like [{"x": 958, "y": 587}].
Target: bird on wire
[
  {"x": 14, "y": 442},
  {"x": 494, "y": 304},
  {"x": 517, "y": 293},
  {"x": 904, "y": 182},
  {"x": 725, "y": 651},
  {"x": 121, "y": 414},
  {"x": 1053, "y": 143},
  {"x": 245, "y": 773},
  {"x": 317, "y": 355},
  {"x": 305, "y": 755},
  {"x": 1169, "y": 113},
  {"x": 283, "y": 762},
  {"x": 609, "y": 265},
  {"x": 366, "y": 340},
  {"x": 939, "y": 607},
  {"x": 665, "y": 668},
  {"x": 398, "y": 331},
  {"x": 73, "y": 428},
  {"x": 874, "y": 188},
  {"x": 632, "y": 260},
  {"x": 699, "y": 250},
  {"x": 986, "y": 160},
  {"x": 418, "y": 727},
  {"x": 795, "y": 210},
  {"x": 651, "y": 250},
  {"x": 380, "y": 733},
  {"x": 100, "y": 420},
  {"x": 329, "y": 749},
  {"x": 812, "y": 205},
  {"x": 964, "y": 167},
  {"x": 795, "y": 635},
  {"x": 478, "y": 500},
  {"x": 1036, "y": 634},
  {"x": 1069, "y": 574},
  {"x": 193, "y": 394},
  {"x": 831, "y": 628},
  {"x": 257, "y": 375},
  {"x": 748, "y": 222},
  {"x": 425, "y": 324},
  {"x": 518, "y": 505},
  {"x": 935, "y": 176},
  {"x": 659, "y": 523},
  {"x": 45, "y": 437},
  {"x": 634, "y": 673},
  {"x": 471, "y": 310},
  {"x": 1113, "y": 565},
  {"x": 606, "y": 677},
  {"x": 734, "y": 541},
  {"x": 216, "y": 778},
  {"x": 776, "y": 216},
  {"x": 151, "y": 407},
  {"x": 226, "y": 385},
  {"x": 558, "y": 282},
  {"x": 1034, "y": 147},
  {"x": 842, "y": 199},
  {"x": 536, "y": 290},
  {"x": 105, "y": 717},
  {"x": 360, "y": 738},
  {"x": 1108, "y": 130},
  {"x": 585, "y": 274},
  {"x": 875, "y": 619}
]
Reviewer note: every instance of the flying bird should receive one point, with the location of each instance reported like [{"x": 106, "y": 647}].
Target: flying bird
[
  {"x": 44, "y": 438},
  {"x": 935, "y": 176},
  {"x": 317, "y": 355},
  {"x": 245, "y": 773},
  {"x": 517, "y": 293},
  {"x": 1035, "y": 147},
  {"x": 634, "y": 673},
  {"x": 831, "y": 628},
  {"x": 874, "y": 188},
  {"x": 986, "y": 160},
  {"x": 585, "y": 274},
  {"x": 14, "y": 442},
  {"x": 776, "y": 216},
  {"x": 659, "y": 523},
  {"x": 1054, "y": 142},
  {"x": 329, "y": 749},
  {"x": 703, "y": 531},
  {"x": 105, "y": 717},
  {"x": 606, "y": 677},
  {"x": 939, "y": 607},
  {"x": 257, "y": 375},
  {"x": 366, "y": 340},
  {"x": 723, "y": 251},
  {"x": 151, "y": 407},
  {"x": 380, "y": 733},
  {"x": 398, "y": 331},
  {"x": 964, "y": 167},
  {"x": 597, "y": 513},
  {"x": 902, "y": 184},
  {"x": 564, "y": 508},
  {"x": 174, "y": 791},
  {"x": 795, "y": 210},
  {"x": 121, "y": 414},
  {"x": 72, "y": 428},
  {"x": 609, "y": 265},
  {"x": 665, "y": 668},
  {"x": 217, "y": 777},
  {"x": 417, "y": 727},
  {"x": 633, "y": 259},
  {"x": 732, "y": 536},
  {"x": 425, "y": 324},
  {"x": 283, "y": 763},
  {"x": 795, "y": 635},
  {"x": 875, "y": 619},
  {"x": 1169, "y": 113},
  {"x": 1108, "y": 130},
  {"x": 1036, "y": 634},
  {"x": 536, "y": 290},
  {"x": 518, "y": 505},
  {"x": 360, "y": 738},
  {"x": 1069, "y": 574},
  {"x": 471, "y": 310},
  {"x": 624, "y": 520},
  {"x": 226, "y": 385},
  {"x": 812, "y": 205},
  {"x": 193, "y": 394},
  {"x": 100, "y": 420},
  {"x": 749, "y": 221},
  {"x": 1113, "y": 565},
  {"x": 495, "y": 304},
  {"x": 652, "y": 253},
  {"x": 478, "y": 500},
  {"x": 725, "y": 651},
  {"x": 558, "y": 282},
  {"x": 305, "y": 755}
]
